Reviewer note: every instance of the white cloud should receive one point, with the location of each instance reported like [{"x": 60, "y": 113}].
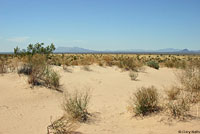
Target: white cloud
[{"x": 18, "y": 39}]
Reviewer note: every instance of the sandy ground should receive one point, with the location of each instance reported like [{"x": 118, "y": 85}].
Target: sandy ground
[{"x": 28, "y": 111}]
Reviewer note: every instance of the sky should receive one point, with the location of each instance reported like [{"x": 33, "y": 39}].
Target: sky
[{"x": 101, "y": 24}]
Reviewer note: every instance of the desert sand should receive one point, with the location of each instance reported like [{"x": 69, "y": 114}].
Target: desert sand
[{"x": 25, "y": 110}]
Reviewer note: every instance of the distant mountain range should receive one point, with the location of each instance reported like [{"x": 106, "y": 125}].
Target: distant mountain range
[
  {"x": 72, "y": 50},
  {"x": 83, "y": 50}
]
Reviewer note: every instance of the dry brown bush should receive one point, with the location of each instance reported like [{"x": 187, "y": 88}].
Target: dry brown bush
[
  {"x": 62, "y": 126},
  {"x": 190, "y": 81},
  {"x": 178, "y": 108},
  {"x": 173, "y": 93}
]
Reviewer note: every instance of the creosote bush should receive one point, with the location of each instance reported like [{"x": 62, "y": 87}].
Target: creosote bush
[
  {"x": 42, "y": 74},
  {"x": 76, "y": 105},
  {"x": 153, "y": 64},
  {"x": 36, "y": 66},
  {"x": 144, "y": 101}
]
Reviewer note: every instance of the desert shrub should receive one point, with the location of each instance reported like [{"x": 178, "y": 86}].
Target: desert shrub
[
  {"x": 51, "y": 79},
  {"x": 3, "y": 65},
  {"x": 76, "y": 105},
  {"x": 129, "y": 64},
  {"x": 56, "y": 60},
  {"x": 108, "y": 60},
  {"x": 144, "y": 101},
  {"x": 153, "y": 64},
  {"x": 172, "y": 93},
  {"x": 100, "y": 64},
  {"x": 35, "y": 49},
  {"x": 25, "y": 69},
  {"x": 133, "y": 75},
  {"x": 39, "y": 72},
  {"x": 38, "y": 67},
  {"x": 61, "y": 126},
  {"x": 178, "y": 108},
  {"x": 174, "y": 63},
  {"x": 190, "y": 78}
]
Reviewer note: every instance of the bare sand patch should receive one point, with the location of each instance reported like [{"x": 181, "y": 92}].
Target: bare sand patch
[{"x": 27, "y": 111}]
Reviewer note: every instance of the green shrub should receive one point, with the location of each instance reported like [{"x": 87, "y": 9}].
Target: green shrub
[
  {"x": 35, "y": 49},
  {"x": 145, "y": 101},
  {"x": 76, "y": 105},
  {"x": 153, "y": 64}
]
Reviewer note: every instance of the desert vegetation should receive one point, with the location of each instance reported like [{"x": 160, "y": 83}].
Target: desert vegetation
[
  {"x": 37, "y": 63},
  {"x": 62, "y": 126},
  {"x": 133, "y": 75},
  {"x": 76, "y": 105},
  {"x": 144, "y": 101}
]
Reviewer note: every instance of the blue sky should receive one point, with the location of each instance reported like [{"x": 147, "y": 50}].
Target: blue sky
[{"x": 101, "y": 24}]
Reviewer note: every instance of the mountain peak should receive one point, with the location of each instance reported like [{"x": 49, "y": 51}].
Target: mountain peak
[{"x": 72, "y": 50}]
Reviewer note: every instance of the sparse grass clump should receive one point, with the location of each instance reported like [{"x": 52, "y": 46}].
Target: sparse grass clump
[
  {"x": 144, "y": 101},
  {"x": 190, "y": 81},
  {"x": 153, "y": 64},
  {"x": 4, "y": 63},
  {"x": 173, "y": 93},
  {"x": 61, "y": 126},
  {"x": 133, "y": 75},
  {"x": 52, "y": 79},
  {"x": 178, "y": 108},
  {"x": 76, "y": 105},
  {"x": 190, "y": 78},
  {"x": 2, "y": 66}
]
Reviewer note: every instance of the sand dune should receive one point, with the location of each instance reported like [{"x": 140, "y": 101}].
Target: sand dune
[{"x": 27, "y": 111}]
